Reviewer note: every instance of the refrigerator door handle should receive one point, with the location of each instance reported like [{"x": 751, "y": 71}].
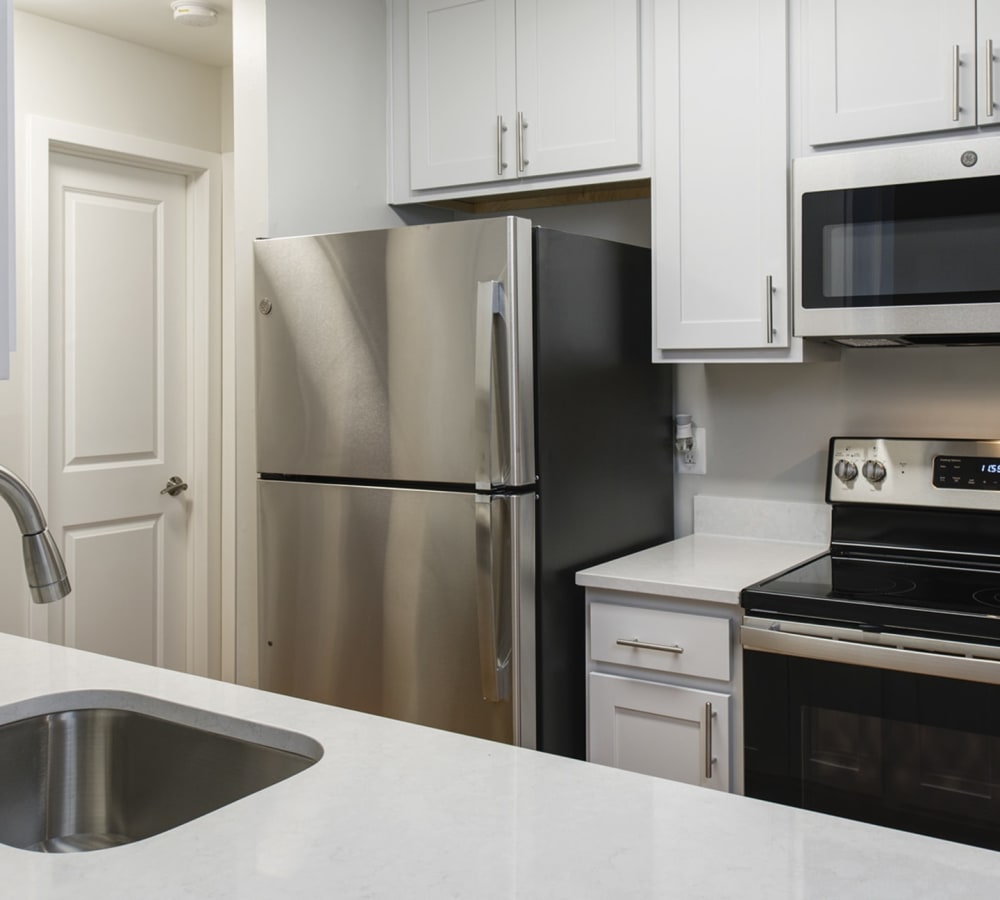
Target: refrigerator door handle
[
  {"x": 490, "y": 308},
  {"x": 494, "y": 639}
]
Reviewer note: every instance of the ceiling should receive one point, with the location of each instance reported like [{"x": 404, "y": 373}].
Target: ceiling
[{"x": 146, "y": 22}]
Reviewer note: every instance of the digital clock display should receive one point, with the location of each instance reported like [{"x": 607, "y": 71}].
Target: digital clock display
[{"x": 971, "y": 473}]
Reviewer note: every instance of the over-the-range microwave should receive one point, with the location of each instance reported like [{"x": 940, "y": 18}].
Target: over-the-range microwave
[{"x": 899, "y": 245}]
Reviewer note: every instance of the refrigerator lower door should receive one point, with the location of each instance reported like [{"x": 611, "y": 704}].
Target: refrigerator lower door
[{"x": 412, "y": 604}]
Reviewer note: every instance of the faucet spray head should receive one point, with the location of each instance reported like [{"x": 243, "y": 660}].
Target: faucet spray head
[
  {"x": 43, "y": 564},
  {"x": 44, "y": 567}
]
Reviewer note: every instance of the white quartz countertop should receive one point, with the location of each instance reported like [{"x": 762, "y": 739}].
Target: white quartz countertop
[
  {"x": 708, "y": 567},
  {"x": 395, "y": 810}
]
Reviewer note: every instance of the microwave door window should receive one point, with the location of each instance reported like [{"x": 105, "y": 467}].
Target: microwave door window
[{"x": 902, "y": 245}]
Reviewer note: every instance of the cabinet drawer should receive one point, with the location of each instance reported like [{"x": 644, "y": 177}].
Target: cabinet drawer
[{"x": 661, "y": 640}]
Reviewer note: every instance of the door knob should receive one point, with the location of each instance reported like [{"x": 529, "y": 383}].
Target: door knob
[{"x": 175, "y": 484}]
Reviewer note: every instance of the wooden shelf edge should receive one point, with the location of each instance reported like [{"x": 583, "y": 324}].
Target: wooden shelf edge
[{"x": 504, "y": 203}]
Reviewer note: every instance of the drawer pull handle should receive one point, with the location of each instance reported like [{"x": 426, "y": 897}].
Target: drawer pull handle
[
  {"x": 642, "y": 645},
  {"x": 709, "y": 759}
]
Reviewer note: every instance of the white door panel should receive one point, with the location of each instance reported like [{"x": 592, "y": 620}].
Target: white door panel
[
  {"x": 720, "y": 190},
  {"x": 577, "y": 85},
  {"x": 884, "y": 68},
  {"x": 118, "y": 404},
  {"x": 987, "y": 64},
  {"x": 108, "y": 562},
  {"x": 461, "y": 81}
]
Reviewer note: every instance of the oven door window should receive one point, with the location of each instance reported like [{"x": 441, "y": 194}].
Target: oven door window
[
  {"x": 907, "y": 751},
  {"x": 902, "y": 245}
]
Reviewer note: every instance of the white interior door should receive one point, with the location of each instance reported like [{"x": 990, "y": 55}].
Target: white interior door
[{"x": 118, "y": 398}]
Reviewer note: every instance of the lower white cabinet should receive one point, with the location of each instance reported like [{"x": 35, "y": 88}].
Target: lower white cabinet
[
  {"x": 659, "y": 729},
  {"x": 663, "y": 687}
]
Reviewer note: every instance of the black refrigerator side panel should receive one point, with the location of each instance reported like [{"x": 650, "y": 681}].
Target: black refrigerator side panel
[{"x": 603, "y": 450}]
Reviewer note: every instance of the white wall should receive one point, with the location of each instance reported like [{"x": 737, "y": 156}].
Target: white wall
[
  {"x": 67, "y": 73},
  {"x": 327, "y": 133},
  {"x": 768, "y": 425}
]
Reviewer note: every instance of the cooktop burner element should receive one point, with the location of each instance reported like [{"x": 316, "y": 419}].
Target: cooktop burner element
[
  {"x": 988, "y": 597},
  {"x": 915, "y": 542},
  {"x": 848, "y": 581}
]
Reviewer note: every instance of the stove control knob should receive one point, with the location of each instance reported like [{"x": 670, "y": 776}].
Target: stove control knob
[
  {"x": 845, "y": 470},
  {"x": 873, "y": 470}
]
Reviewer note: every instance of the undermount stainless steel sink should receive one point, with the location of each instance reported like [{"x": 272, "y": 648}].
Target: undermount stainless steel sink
[{"x": 93, "y": 770}]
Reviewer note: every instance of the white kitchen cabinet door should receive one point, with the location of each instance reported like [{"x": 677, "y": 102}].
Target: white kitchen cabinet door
[
  {"x": 877, "y": 68},
  {"x": 720, "y": 233},
  {"x": 988, "y": 60},
  {"x": 658, "y": 729},
  {"x": 578, "y": 94},
  {"x": 462, "y": 104}
]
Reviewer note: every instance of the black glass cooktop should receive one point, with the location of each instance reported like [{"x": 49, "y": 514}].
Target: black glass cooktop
[{"x": 928, "y": 596}]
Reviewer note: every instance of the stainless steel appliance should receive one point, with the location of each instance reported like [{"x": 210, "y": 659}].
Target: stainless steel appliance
[
  {"x": 452, "y": 419},
  {"x": 872, "y": 673},
  {"x": 898, "y": 245}
]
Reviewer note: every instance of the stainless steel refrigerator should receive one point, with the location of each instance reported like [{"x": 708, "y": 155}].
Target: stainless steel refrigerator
[{"x": 452, "y": 420}]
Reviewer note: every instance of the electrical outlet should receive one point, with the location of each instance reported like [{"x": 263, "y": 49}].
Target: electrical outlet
[{"x": 698, "y": 454}]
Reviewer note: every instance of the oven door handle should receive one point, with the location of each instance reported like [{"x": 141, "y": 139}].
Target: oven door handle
[{"x": 900, "y": 653}]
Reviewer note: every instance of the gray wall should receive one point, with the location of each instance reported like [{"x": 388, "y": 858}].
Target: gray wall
[
  {"x": 326, "y": 88},
  {"x": 768, "y": 425}
]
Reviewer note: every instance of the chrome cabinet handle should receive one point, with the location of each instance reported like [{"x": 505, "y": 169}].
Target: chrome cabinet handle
[
  {"x": 175, "y": 484},
  {"x": 709, "y": 759},
  {"x": 955, "y": 63},
  {"x": 642, "y": 645},
  {"x": 769, "y": 296},
  {"x": 501, "y": 128},
  {"x": 989, "y": 78},
  {"x": 521, "y": 125}
]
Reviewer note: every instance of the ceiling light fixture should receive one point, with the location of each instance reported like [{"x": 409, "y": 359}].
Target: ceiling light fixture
[{"x": 197, "y": 14}]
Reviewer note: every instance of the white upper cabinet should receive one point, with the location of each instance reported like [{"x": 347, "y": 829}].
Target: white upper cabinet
[
  {"x": 577, "y": 85},
  {"x": 720, "y": 233},
  {"x": 461, "y": 91},
  {"x": 878, "y": 68},
  {"x": 500, "y": 90},
  {"x": 988, "y": 52}
]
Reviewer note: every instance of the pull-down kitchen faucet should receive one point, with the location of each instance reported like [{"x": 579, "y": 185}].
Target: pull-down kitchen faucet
[{"x": 42, "y": 562}]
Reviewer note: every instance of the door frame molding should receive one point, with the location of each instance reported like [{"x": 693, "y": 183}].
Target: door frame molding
[{"x": 203, "y": 172}]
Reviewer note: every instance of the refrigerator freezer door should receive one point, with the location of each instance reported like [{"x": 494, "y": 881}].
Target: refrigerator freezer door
[
  {"x": 412, "y": 604},
  {"x": 398, "y": 355}
]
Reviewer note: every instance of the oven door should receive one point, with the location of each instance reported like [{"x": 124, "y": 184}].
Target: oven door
[{"x": 894, "y": 730}]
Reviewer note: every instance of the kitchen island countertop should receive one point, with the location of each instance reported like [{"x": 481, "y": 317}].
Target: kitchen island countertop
[{"x": 396, "y": 810}]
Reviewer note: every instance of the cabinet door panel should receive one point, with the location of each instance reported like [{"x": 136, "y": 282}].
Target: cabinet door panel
[
  {"x": 720, "y": 188},
  {"x": 988, "y": 63},
  {"x": 461, "y": 67},
  {"x": 658, "y": 729},
  {"x": 578, "y": 84},
  {"x": 886, "y": 67}
]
